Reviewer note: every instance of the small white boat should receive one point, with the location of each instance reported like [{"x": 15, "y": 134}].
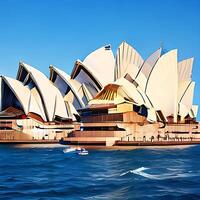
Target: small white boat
[{"x": 82, "y": 152}]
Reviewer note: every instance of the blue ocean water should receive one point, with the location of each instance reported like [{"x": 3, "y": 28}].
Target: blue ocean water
[{"x": 32, "y": 172}]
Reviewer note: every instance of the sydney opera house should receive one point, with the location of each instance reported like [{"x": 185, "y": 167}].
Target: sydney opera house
[{"x": 107, "y": 99}]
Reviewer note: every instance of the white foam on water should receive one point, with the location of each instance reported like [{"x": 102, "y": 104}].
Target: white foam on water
[
  {"x": 69, "y": 150},
  {"x": 141, "y": 172},
  {"x": 173, "y": 169},
  {"x": 134, "y": 171}
]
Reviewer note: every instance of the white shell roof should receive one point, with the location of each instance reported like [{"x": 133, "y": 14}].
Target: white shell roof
[
  {"x": 72, "y": 110},
  {"x": 87, "y": 72},
  {"x": 128, "y": 60},
  {"x": 146, "y": 68},
  {"x": 35, "y": 104},
  {"x": 22, "y": 93},
  {"x": 53, "y": 100},
  {"x": 187, "y": 97},
  {"x": 132, "y": 91},
  {"x": 101, "y": 63},
  {"x": 72, "y": 83},
  {"x": 150, "y": 62},
  {"x": 86, "y": 92},
  {"x": 185, "y": 70},
  {"x": 162, "y": 85},
  {"x": 26, "y": 97}
]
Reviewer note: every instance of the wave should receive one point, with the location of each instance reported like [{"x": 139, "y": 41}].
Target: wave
[
  {"x": 141, "y": 172},
  {"x": 134, "y": 171}
]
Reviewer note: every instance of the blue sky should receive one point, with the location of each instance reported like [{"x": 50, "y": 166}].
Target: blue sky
[{"x": 44, "y": 32}]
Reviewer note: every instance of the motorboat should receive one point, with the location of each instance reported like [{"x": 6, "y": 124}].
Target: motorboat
[
  {"x": 78, "y": 150},
  {"x": 82, "y": 152}
]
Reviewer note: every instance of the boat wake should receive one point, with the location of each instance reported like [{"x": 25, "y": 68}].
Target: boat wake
[
  {"x": 141, "y": 172},
  {"x": 69, "y": 150}
]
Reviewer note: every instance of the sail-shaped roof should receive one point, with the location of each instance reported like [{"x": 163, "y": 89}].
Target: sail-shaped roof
[
  {"x": 82, "y": 74},
  {"x": 185, "y": 70},
  {"x": 35, "y": 104},
  {"x": 128, "y": 60},
  {"x": 101, "y": 63},
  {"x": 158, "y": 83},
  {"x": 162, "y": 84},
  {"x": 53, "y": 102},
  {"x": 147, "y": 66},
  {"x": 72, "y": 111},
  {"x": 97, "y": 68},
  {"x": 72, "y": 84},
  {"x": 28, "y": 99},
  {"x": 185, "y": 86},
  {"x": 150, "y": 62},
  {"x": 187, "y": 96},
  {"x": 21, "y": 93}
]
